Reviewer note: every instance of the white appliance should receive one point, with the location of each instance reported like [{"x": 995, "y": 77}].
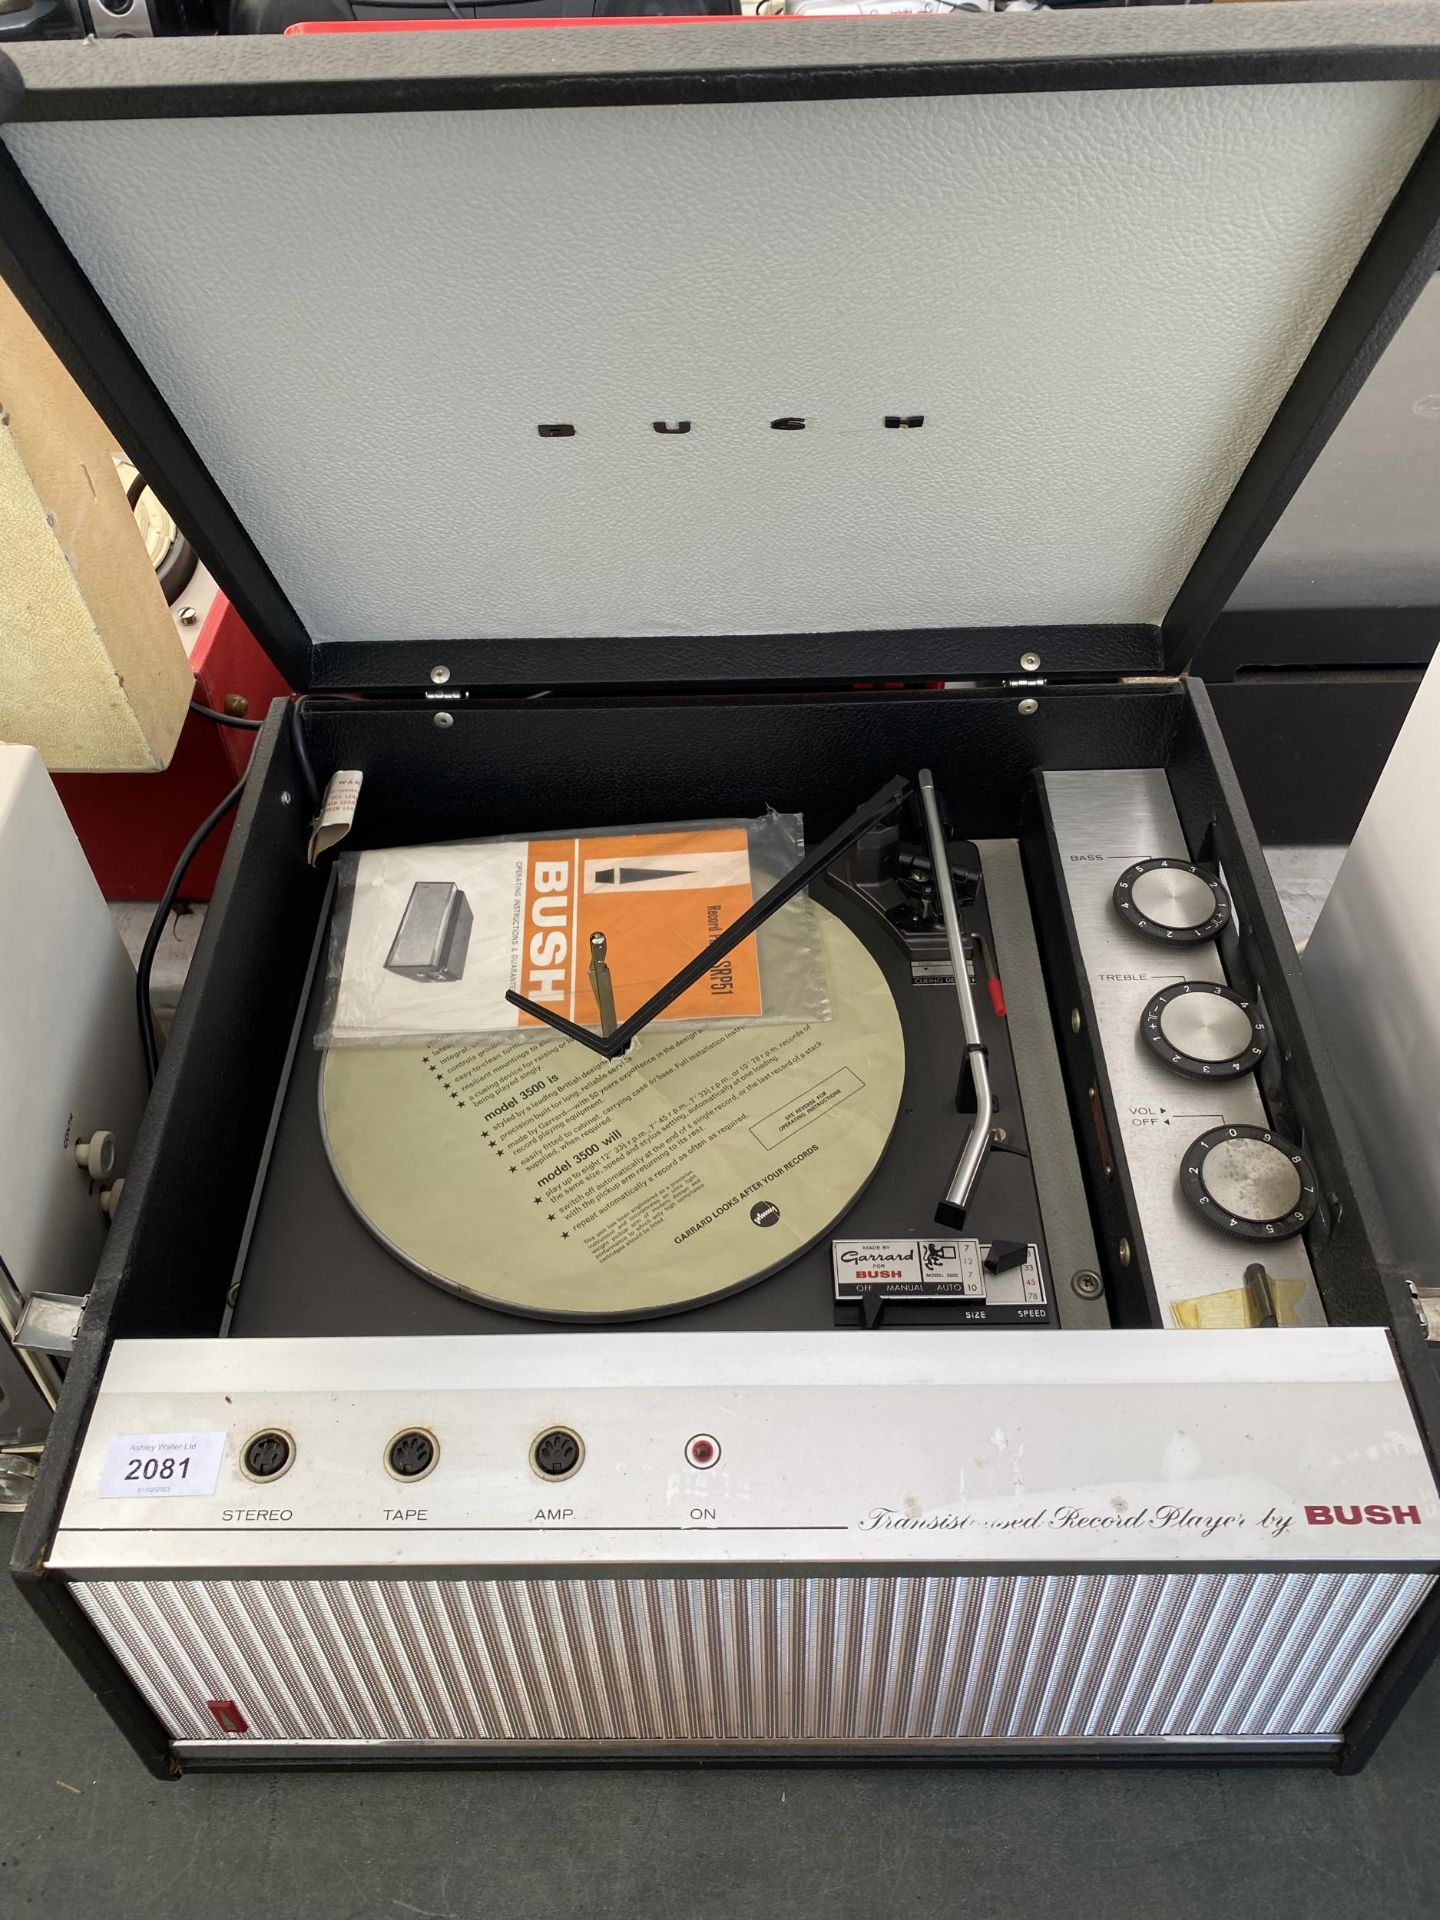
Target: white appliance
[{"x": 70, "y": 1065}]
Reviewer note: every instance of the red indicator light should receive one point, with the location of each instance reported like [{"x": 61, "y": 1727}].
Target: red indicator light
[{"x": 702, "y": 1451}]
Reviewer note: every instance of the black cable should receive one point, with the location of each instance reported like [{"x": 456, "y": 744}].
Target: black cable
[
  {"x": 148, "y": 1042},
  {"x": 225, "y": 719}
]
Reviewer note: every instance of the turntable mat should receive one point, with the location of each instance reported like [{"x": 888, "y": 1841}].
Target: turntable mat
[{"x": 536, "y": 1176}]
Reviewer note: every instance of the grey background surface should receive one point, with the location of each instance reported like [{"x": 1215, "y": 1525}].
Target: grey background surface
[
  {"x": 86, "y": 1831},
  {"x": 1364, "y": 528}
]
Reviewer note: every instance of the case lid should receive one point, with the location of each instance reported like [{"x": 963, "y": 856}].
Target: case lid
[{"x": 394, "y": 323}]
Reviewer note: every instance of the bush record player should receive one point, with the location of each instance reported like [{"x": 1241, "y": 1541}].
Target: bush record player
[{"x": 694, "y": 651}]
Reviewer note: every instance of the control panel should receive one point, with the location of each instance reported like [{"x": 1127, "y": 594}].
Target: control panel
[
  {"x": 731, "y": 1449},
  {"x": 1222, "y": 1197}
]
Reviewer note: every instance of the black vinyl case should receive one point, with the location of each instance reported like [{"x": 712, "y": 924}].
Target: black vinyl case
[{"x": 924, "y": 409}]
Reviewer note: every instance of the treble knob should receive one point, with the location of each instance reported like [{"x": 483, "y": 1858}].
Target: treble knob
[{"x": 1204, "y": 1031}]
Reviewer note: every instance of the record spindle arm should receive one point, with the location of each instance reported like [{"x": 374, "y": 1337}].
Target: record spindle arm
[
  {"x": 875, "y": 812},
  {"x": 951, "y": 1210},
  {"x": 601, "y": 985}
]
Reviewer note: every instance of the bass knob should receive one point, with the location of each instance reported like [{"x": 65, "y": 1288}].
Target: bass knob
[{"x": 1172, "y": 901}]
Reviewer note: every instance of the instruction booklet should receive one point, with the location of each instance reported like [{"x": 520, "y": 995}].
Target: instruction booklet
[{"x": 426, "y": 940}]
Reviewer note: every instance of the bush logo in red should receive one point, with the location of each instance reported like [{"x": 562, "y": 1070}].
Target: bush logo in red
[{"x": 1362, "y": 1516}]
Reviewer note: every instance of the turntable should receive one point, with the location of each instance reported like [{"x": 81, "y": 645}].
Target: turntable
[
  {"x": 820, "y": 1158},
  {"x": 1005, "y": 1364}
]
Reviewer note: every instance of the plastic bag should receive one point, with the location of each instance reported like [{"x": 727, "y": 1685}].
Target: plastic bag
[{"x": 424, "y": 941}]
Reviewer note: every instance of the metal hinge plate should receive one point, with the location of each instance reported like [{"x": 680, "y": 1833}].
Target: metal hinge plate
[{"x": 49, "y": 1322}]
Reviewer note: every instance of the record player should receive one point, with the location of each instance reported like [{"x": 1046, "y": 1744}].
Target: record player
[{"x": 1073, "y": 1409}]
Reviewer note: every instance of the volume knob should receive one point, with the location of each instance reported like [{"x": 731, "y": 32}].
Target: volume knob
[
  {"x": 1249, "y": 1182},
  {"x": 1171, "y": 901}
]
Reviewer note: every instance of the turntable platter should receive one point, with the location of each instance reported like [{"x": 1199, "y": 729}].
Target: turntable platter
[{"x": 542, "y": 1179}]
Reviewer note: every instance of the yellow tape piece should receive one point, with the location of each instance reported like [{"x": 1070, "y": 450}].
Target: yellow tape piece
[{"x": 1240, "y": 1306}]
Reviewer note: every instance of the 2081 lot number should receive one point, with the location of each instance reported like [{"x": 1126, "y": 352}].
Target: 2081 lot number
[
  {"x": 152, "y": 1466},
  {"x": 166, "y": 1468}
]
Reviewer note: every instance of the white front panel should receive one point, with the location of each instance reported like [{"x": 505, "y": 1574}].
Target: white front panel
[
  {"x": 1096, "y": 300},
  {"x": 909, "y": 1663},
  {"x": 892, "y": 1451}
]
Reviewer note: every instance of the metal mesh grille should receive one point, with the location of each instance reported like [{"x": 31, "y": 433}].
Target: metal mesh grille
[{"x": 677, "y": 1661}]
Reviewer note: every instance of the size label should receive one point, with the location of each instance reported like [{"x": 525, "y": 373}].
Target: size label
[{"x": 151, "y": 1466}]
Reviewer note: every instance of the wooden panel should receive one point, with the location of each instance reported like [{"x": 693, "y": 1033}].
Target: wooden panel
[{"x": 92, "y": 671}]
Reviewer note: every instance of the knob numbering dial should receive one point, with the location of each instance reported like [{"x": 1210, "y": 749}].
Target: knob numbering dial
[
  {"x": 1171, "y": 901},
  {"x": 1250, "y": 1183},
  {"x": 1204, "y": 1031}
]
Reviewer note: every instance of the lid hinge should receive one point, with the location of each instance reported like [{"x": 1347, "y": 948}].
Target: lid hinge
[
  {"x": 1021, "y": 683},
  {"x": 1052, "y": 682}
]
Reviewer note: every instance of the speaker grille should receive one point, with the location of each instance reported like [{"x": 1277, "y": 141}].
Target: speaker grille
[{"x": 655, "y": 1662}]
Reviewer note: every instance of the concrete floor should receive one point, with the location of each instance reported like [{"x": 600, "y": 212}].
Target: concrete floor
[{"x": 85, "y": 1831}]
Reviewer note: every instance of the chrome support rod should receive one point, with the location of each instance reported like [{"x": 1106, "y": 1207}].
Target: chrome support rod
[
  {"x": 951, "y": 1210},
  {"x": 602, "y": 986}
]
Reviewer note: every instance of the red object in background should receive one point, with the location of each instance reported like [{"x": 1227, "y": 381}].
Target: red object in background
[{"x": 134, "y": 825}]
